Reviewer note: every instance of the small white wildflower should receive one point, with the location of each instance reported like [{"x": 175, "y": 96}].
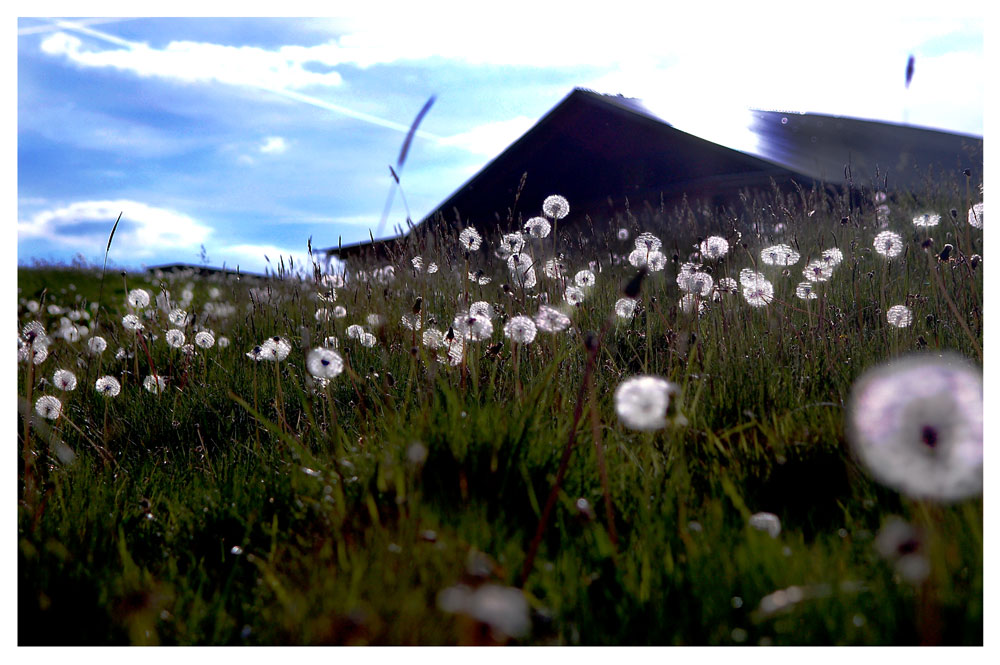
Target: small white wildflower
[
  {"x": 805, "y": 291},
  {"x": 574, "y": 295},
  {"x": 817, "y": 271}
]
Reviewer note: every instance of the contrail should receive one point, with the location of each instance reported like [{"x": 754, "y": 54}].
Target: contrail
[{"x": 288, "y": 94}]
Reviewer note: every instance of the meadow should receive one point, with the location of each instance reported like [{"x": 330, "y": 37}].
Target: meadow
[{"x": 659, "y": 434}]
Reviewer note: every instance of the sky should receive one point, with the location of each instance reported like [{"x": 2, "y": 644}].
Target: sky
[{"x": 228, "y": 140}]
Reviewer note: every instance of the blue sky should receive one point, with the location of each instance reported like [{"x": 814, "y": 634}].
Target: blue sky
[{"x": 247, "y": 136}]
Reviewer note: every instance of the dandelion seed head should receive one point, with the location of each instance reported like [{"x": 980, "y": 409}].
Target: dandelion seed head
[
  {"x": 727, "y": 285},
  {"x": 510, "y": 243},
  {"x": 418, "y": 263},
  {"x": 641, "y": 402},
  {"x": 805, "y": 291},
  {"x": 554, "y": 269},
  {"x": 625, "y": 308},
  {"x": 917, "y": 425},
  {"x": 63, "y": 379},
  {"x": 48, "y": 407},
  {"x": 758, "y": 292},
  {"x": 976, "y": 215},
  {"x": 472, "y": 327},
  {"x": 926, "y": 220},
  {"x": 766, "y": 522},
  {"x": 520, "y": 329},
  {"x": 714, "y": 247},
  {"x": 899, "y": 316},
  {"x": 818, "y": 271},
  {"x": 482, "y": 308},
  {"x": 131, "y": 322},
  {"x": 623, "y": 234},
  {"x": 178, "y": 317},
  {"x": 155, "y": 384},
  {"x": 648, "y": 242},
  {"x": 555, "y": 207},
  {"x": 551, "y": 320},
  {"x": 470, "y": 239},
  {"x": 690, "y": 301},
  {"x": 832, "y": 256},
  {"x": 433, "y": 338},
  {"x": 538, "y": 227},
  {"x": 411, "y": 321},
  {"x": 324, "y": 363},
  {"x": 96, "y": 345},
  {"x": 138, "y": 298},
  {"x": 175, "y": 338},
  {"x": 584, "y": 278},
  {"x": 573, "y": 295},
  {"x": 108, "y": 386},
  {"x": 205, "y": 339},
  {"x": 888, "y": 244},
  {"x": 779, "y": 255},
  {"x": 355, "y": 331}
]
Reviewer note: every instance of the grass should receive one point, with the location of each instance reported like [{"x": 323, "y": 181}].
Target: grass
[{"x": 339, "y": 515}]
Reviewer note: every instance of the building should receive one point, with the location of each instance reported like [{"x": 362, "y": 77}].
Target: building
[{"x": 599, "y": 150}]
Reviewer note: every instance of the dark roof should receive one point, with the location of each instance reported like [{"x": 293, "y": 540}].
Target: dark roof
[{"x": 597, "y": 150}]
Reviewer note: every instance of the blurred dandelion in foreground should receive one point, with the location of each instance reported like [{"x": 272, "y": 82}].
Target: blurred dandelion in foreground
[
  {"x": 155, "y": 384},
  {"x": 714, "y": 247},
  {"x": 779, "y": 255},
  {"x": 555, "y": 206},
  {"x": 899, "y": 316},
  {"x": 470, "y": 239},
  {"x": 551, "y": 320},
  {"x": 641, "y": 402},
  {"x": 108, "y": 386},
  {"x": 324, "y": 363},
  {"x": 504, "y": 609},
  {"x": 65, "y": 380},
  {"x": 623, "y": 234},
  {"x": 926, "y": 220},
  {"x": 917, "y": 425},
  {"x": 766, "y": 522},
  {"x": 520, "y": 329},
  {"x": 976, "y": 215},
  {"x": 888, "y": 244},
  {"x": 538, "y": 227},
  {"x": 48, "y": 407},
  {"x": 902, "y": 545},
  {"x": 625, "y": 308}
]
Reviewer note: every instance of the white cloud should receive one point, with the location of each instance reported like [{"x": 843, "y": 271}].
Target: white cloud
[
  {"x": 198, "y": 62},
  {"x": 144, "y": 231},
  {"x": 274, "y": 145},
  {"x": 490, "y": 139}
]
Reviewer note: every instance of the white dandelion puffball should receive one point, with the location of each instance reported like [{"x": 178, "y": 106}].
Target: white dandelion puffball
[
  {"x": 926, "y": 220},
  {"x": 48, "y": 407},
  {"x": 641, "y": 402},
  {"x": 818, "y": 271},
  {"x": 470, "y": 239},
  {"x": 779, "y": 255},
  {"x": 138, "y": 298},
  {"x": 520, "y": 330},
  {"x": 749, "y": 277},
  {"x": 481, "y": 308},
  {"x": 108, "y": 386},
  {"x": 276, "y": 348},
  {"x": 833, "y": 256},
  {"x": 648, "y": 242},
  {"x": 355, "y": 331},
  {"x": 899, "y": 316},
  {"x": 574, "y": 295},
  {"x": 551, "y": 320},
  {"x": 623, "y": 234},
  {"x": 689, "y": 301},
  {"x": 976, "y": 215},
  {"x": 175, "y": 338},
  {"x": 728, "y": 285},
  {"x": 805, "y": 291},
  {"x": 510, "y": 243},
  {"x": 97, "y": 345},
  {"x": 131, "y": 322},
  {"x": 714, "y": 247},
  {"x": 473, "y": 328},
  {"x": 555, "y": 206},
  {"x": 888, "y": 244},
  {"x": 538, "y": 227},
  {"x": 339, "y": 312},
  {"x": 418, "y": 263},
  {"x": 64, "y": 380},
  {"x": 368, "y": 340},
  {"x": 433, "y": 338},
  {"x": 374, "y": 320},
  {"x": 584, "y": 279},
  {"x": 432, "y": 268},
  {"x": 411, "y": 321},
  {"x": 694, "y": 282},
  {"x": 917, "y": 425},
  {"x": 766, "y": 522},
  {"x": 178, "y": 317},
  {"x": 223, "y": 342},
  {"x": 324, "y": 363},
  {"x": 625, "y": 308},
  {"x": 155, "y": 384},
  {"x": 758, "y": 292},
  {"x": 554, "y": 269},
  {"x": 205, "y": 339},
  {"x": 654, "y": 259}
]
